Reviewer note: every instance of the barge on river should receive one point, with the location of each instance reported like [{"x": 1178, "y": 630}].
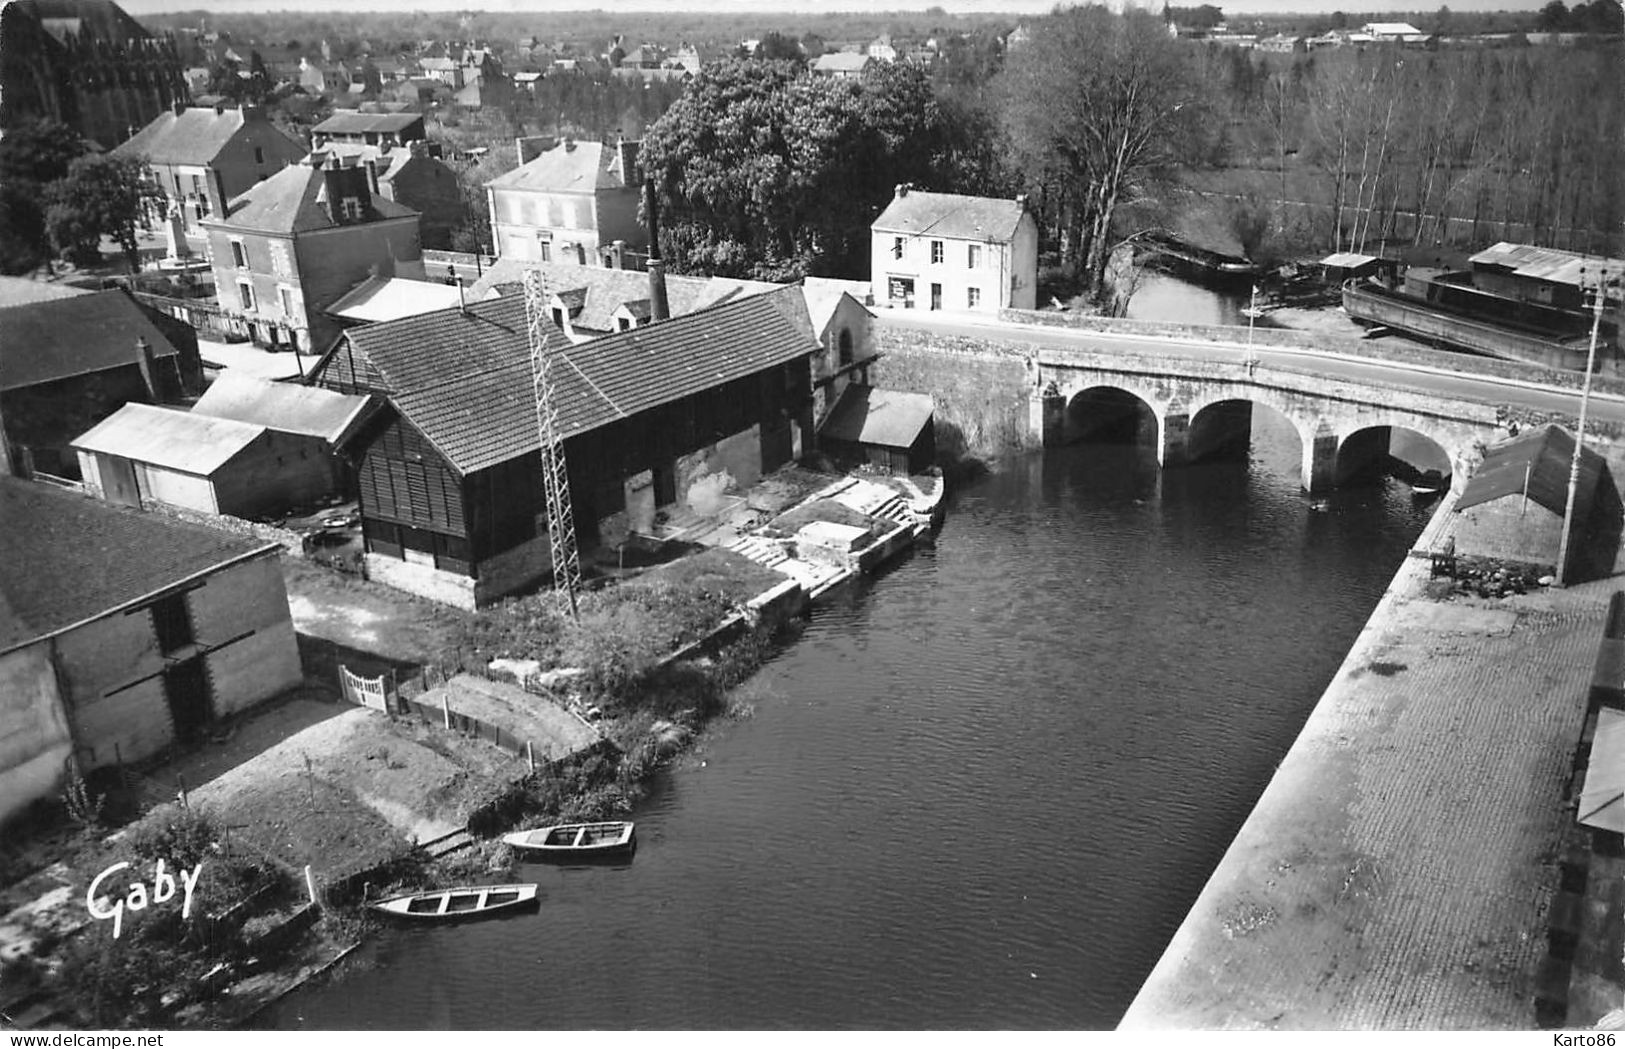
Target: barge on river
[{"x": 1371, "y": 303}]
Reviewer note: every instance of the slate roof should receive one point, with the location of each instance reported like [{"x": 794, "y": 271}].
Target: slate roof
[
  {"x": 168, "y": 437},
  {"x": 590, "y": 293},
  {"x": 196, "y": 136},
  {"x": 62, "y": 338},
  {"x": 290, "y": 202},
  {"x": 866, "y": 415},
  {"x": 289, "y": 407},
  {"x": 65, "y": 557},
  {"x": 920, "y": 213},
  {"x": 842, "y": 62},
  {"x": 347, "y": 122},
  {"x": 14, "y": 291},
  {"x": 469, "y": 391},
  {"x": 1545, "y": 457},
  {"x": 569, "y": 167},
  {"x": 824, "y": 298}
]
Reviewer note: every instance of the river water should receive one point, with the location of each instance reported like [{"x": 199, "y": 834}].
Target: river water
[{"x": 980, "y": 790}]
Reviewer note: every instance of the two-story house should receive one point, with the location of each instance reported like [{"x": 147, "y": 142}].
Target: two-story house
[
  {"x": 944, "y": 251},
  {"x": 572, "y": 202},
  {"x": 298, "y": 242},
  {"x": 202, "y": 157}
]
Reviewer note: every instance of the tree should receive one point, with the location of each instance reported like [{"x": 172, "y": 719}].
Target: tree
[
  {"x": 32, "y": 156},
  {"x": 102, "y": 195},
  {"x": 761, "y": 171},
  {"x": 776, "y": 47},
  {"x": 1097, "y": 111}
]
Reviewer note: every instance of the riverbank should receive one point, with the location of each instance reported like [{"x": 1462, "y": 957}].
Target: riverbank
[
  {"x": 1403, "y": 869},
  {"x": 344, "y": 794}
]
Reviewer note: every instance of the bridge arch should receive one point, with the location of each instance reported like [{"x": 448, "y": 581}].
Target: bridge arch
[
  {"x": 1109, "y": 412},
  {"x": 1402, "y": 451}
]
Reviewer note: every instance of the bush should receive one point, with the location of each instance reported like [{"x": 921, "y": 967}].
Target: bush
[{"x": 179, "y": 837}]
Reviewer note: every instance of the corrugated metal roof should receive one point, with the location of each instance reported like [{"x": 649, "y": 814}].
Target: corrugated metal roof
[
  {"x": 63, "y": 338},
  {"x": 1347, "y": 259},
  {"x": 480, "y": 417},
  {"x": 288, "y": 407},
  {"x": 919, "y": 213},
  {"x": 867, "y": 415},
  {"x": 1548, "y": 264},
  {"x": 1544, "y": 457},
  {"x": 65, "y": 557},
  {"x": 170, "y": 438}
]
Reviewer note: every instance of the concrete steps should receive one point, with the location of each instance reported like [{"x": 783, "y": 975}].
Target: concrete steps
[{"x": 764, "y": 552}]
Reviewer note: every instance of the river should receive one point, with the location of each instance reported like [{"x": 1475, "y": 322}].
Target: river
[{"x": 980, "y": 790}]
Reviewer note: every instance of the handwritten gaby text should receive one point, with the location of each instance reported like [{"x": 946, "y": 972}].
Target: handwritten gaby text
[{"x": 163, "y": 890}]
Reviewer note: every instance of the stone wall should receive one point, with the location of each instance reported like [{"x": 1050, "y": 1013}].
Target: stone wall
[
  {"x": 979, "y": 386},
  {"x": 34, "y": 739}
]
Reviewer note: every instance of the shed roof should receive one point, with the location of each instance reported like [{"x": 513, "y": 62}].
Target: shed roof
[
  {"x": 353, "y": 122},
  {"x": 470, "y": 391},
  {"x": 1548, "y": 264},
  {"x": 168, "y": 437},
  {"x": 950, "y": 215},
  {"x": 866, "y": 415},
  {"x": 389, "y": 298},
  {"x": 1602, "y": 799},
  {"x": 842, "y": 62},
  {"x": 64, "y": 338},
  {"x": 14, "y": 291},
  {"x": 1543, "y": 457},
  {"x": 289, "y": 407},
  {"x": 66, "y": 558},
  {"x": 1348, "y": 259}
]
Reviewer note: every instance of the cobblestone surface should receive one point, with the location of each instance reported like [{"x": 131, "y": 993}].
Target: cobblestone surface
[{"x": 1399, "y": 869}]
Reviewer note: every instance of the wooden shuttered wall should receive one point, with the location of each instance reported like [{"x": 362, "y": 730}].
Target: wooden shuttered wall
[{"x": 403, "y": 479}]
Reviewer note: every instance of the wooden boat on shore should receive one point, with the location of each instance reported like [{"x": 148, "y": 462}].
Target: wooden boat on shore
[
  {"x": 451, "y": 904},
  {"x": 576, "y": 840}
]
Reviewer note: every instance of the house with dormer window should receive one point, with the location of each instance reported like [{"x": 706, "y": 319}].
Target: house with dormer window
[
  {"x": 571, "y": 202},
  {"x": 299, "y": 241}
]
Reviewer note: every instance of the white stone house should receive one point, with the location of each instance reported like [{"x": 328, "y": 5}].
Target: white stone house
[{"x": 945, "y": 251}]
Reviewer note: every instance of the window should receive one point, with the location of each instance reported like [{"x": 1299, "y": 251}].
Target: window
[
  {"x": 901, "y": 290},
  {"x": 285, "y": 295},
  {"x": 973, "y": 257},
  {"x": 973, "y": 297},
  {"x": 172, "y": 622},
  {"x": 936, "y": 253},
  {"x": 259, "y": 155},
  {"x": 558, "y": 317},
  {"x": 245, "y": 294},
  {"x": 239, "y": 255},
  {"x": 545, "y": 249},
  {"x": 350, "y": 208},
  {"x": 897, "y": 247},
  {"x": 623, "y": 323},
  {"x": 845, "y": 344}
]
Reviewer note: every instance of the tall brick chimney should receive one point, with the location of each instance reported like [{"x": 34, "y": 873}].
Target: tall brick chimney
[{"x": 659, "y": 307}]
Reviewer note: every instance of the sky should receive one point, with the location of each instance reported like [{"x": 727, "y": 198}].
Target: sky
[{"x": 748, "y": 7}]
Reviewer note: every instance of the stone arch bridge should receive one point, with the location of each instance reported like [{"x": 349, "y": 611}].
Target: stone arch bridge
[{"x": 1202, "y": 405}]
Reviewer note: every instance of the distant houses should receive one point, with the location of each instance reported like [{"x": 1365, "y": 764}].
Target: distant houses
[{"x": 947, "y": 251}]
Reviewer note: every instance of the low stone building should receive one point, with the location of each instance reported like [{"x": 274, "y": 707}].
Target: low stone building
[
  {"x": 883, "y": 429},
  {"x": 123, "y": 633},
  {"x": 1512, "y": 507}
]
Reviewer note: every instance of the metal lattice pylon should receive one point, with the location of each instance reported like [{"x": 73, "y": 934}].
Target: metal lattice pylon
[{"x": 561, "y": 522}]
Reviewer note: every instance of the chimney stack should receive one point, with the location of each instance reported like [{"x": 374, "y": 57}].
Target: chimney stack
[
  {"x": 659, "y": 308},
  {"x": 902, "y": 189},
  {"x": 462, "y": 303},
  {"x": 219, "y": 109},
  {"x": 617, "y": 255},
  {"x": 179, "y": 107},
  {"x": 1021, "y": 201},
  {"x": 148, "y": 363}
]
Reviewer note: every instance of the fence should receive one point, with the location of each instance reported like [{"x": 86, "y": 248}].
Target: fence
[
  {"x": 365, "y": 691},
  {"x": 206, "y": 318}
]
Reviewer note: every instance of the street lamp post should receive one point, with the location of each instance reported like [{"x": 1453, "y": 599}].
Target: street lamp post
[{"x": 1580, "y": 432}]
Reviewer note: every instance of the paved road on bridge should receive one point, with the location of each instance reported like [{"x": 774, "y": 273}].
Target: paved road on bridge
[{"x": 1488, "y": 389}]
